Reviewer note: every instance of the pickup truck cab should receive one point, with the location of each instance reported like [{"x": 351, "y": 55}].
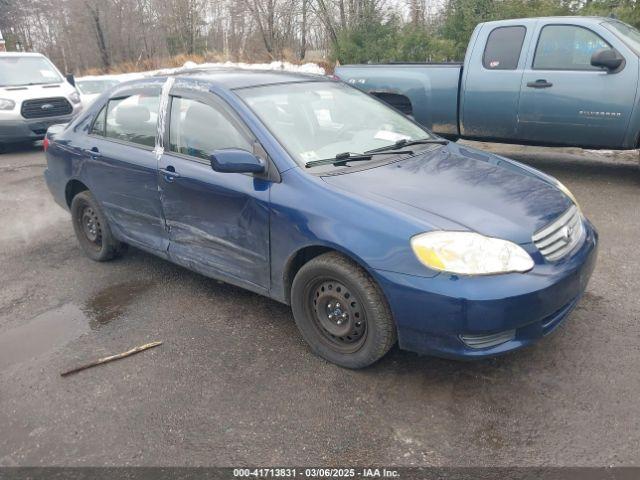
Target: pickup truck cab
[
  {"x": 554, "y": 81},
  {"x": 33, "y": 96}
]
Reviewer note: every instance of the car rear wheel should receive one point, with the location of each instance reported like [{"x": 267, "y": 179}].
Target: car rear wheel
[
  {"x": 92, "y": 229},
  {"x": 341, "y": 312}
]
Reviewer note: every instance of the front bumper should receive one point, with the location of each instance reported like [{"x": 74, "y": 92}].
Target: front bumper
[
  {"x": 432, "y": 314},
  {"x": 14, "y": 130}
]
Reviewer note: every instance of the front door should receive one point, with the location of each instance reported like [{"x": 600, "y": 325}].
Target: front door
[
  {"x": 218, "y": 222},
  {"x": 122, "y": 168},
  {"x": 565, "y": 100}
]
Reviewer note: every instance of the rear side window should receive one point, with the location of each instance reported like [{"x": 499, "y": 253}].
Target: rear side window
[
  {"x": 133, "y": 119},
  {"x": 99, "y": 123},
  {"x": 198, "y": 129},
  {"x": 503, "y": 48},
  {"x": 567, "y": 47}
]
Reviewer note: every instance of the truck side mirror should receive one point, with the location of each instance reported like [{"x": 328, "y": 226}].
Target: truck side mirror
[
  {"x": 606, "y": 58},
  {"x": 71, "y": 79}
]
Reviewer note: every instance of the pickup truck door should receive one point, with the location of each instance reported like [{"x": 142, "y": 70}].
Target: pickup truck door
[
  {"x": 564, "y": 100},
  {"x": 491, "y": 79}
]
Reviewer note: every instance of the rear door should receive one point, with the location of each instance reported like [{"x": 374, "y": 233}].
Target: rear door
[
  {"x": 122, "y": 168},
  {"x": 218, "y": 222},
  {"x": 491, "y": 80},
  {"x": 564, "y": 99}
]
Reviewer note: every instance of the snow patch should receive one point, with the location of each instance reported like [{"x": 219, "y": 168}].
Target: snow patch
[{"x": 309, "y": 68}]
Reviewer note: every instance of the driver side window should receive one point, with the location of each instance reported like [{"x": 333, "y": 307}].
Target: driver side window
[
  {"x": 567, "y": 47},
  {"x": 198, "y": 129}
]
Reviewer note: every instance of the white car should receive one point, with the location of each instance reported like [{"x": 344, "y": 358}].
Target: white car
[
  {"x": 91, "y": 88},
  {"x": 33, "y": 96}
]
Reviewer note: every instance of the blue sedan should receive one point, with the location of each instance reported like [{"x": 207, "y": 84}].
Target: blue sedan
[{"x": 306, "y": 190}]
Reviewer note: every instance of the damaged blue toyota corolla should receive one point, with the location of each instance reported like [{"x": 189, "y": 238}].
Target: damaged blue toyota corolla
[{"x": 315, "y": 194}]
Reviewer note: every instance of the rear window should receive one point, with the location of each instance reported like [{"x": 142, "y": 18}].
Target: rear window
[{"x": 503, "y": 48}]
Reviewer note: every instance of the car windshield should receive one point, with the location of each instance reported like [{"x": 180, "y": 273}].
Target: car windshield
[
  {"x": 17, "y": 71},
  {"x": 319, "y": 120},
  {"x": 94, "y": 87},
  {"x": 627, "y": 34}
]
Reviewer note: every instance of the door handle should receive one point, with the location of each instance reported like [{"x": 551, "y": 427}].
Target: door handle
[
  {"x": 93, "y": 152},
  {"x": 169, "y": 173},
  {"x": 541, "y": 83}
]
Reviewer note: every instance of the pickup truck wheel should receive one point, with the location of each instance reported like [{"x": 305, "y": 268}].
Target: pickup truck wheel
[
  {"x": 92, "y": 229},
  {"x": 341, "y": 312}
]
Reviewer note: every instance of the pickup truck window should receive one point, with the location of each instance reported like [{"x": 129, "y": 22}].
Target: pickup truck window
[
  {"x": 503, "y": 48},
  {"x": 567, "y": 47}
]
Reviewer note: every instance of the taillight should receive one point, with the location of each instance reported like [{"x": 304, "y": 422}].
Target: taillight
[{"x": 45, "y": 144}]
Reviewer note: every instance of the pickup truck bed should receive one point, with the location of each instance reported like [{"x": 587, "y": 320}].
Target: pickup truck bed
[{"x": 431, "y": 86}]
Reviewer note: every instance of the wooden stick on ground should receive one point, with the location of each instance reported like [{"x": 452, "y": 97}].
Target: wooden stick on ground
[{"x": 111, "y": 358}]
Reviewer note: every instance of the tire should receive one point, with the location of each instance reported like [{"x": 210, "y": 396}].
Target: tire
[
  {"x": 341, "y": 312},
  {"x": 92, "y": 229}
]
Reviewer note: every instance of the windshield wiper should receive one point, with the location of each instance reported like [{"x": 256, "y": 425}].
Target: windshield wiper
[
  {"x": 407, "y": 143},
  {"x": 342, "y": 158}
]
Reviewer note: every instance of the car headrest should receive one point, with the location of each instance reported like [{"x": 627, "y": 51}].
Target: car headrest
[
  {"x": 201, "y": 118},
  {"x": 131, "y": 116}
]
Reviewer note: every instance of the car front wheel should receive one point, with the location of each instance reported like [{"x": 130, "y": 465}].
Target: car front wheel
[{"x": 341, "y": 312}]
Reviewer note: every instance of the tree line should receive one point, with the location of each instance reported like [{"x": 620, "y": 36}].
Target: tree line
[{"x": 126, "y": 35}]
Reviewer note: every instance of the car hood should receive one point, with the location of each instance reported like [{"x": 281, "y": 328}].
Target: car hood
[
  {"x": 29, "y": 92},
  {"x": 477, "y": 191}
]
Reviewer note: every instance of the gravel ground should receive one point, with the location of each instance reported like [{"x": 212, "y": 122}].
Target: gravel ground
[{"x": 233, "y": 383}]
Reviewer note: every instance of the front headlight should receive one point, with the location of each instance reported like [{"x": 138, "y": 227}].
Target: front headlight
[
  {"x": 469, "y": 253},
  {"x": 6, "y": 104},
  {"x": 75, "y": 97}
]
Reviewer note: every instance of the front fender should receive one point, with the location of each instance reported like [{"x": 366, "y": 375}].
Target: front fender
[{"x": 308, "y": 212}]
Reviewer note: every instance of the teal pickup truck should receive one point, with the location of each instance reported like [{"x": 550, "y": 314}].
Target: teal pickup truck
[{"x": 554, "y": 81}]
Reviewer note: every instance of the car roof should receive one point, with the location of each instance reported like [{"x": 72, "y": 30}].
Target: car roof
[{"x": 234, "y": 78}]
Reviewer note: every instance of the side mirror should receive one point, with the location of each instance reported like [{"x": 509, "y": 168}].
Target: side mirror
[
  {"x": 236, "y": 161},
  {"x": 606, "y": 58},
  {"x": 71, "y": 79}
]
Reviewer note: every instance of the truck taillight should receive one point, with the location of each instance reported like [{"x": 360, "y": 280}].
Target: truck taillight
[{"x": 45, "y": 144}]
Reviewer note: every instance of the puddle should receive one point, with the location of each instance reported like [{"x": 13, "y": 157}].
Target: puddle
[
  {"x": 111, "y": 302},
  {"x": 42, "y": 334},
  {"x": 57, "y": 327}
]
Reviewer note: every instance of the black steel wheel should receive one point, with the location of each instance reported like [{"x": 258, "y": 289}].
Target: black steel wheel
[
  {"x": 341, "y": 312},
  {"x": 338, "y": 315},
  {"x": 92, "y": 229}
]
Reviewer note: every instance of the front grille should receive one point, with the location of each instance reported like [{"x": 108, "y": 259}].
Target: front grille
[
  {"x": 46, "y": 107},
  {"x": 561, "y": 236}
]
